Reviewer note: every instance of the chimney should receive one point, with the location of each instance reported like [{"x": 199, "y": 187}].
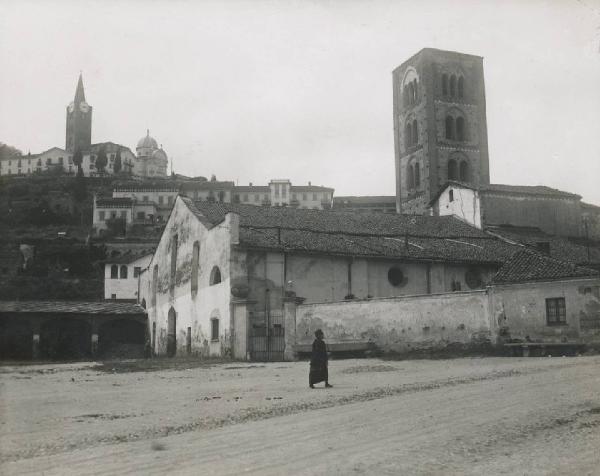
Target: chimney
[
  {"x": 309, "y": 184},
  {"x": 251, "y": 184}
]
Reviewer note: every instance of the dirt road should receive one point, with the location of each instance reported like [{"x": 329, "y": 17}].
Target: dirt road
[{"x": 462, "y": 416}]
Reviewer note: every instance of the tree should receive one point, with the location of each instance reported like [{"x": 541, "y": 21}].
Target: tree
[
  {"x": 78, "y": 160},
  {"x": 101, "y": 160},
  {"x": 8, "y": 151},
  {"x": 118, "y": 164}
]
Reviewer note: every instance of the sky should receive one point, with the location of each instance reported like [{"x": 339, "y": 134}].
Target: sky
[{"x": 256, "y": 90}]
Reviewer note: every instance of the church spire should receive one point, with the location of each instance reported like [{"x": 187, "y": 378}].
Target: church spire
[{"x": 79, "y": 94}]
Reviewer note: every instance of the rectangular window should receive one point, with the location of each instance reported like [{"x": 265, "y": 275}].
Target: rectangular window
[
  {"x": 136, "y": 271},
  {"x": 60, "y": 160},
  {"x": 70, "y": 159},
  {"x": 113, "y": 296},
  {"x": 256, "y": 197},
  {"x": 314, "y": 196},
  {"x": 123, "y": 214},
  {"x": 102, "y": 215},
  {"x": 48, "y": 161},
  {"x": 146, "y": 198},
  {"x": 294, "y": 196},
  {"x": 170, "y": 200},
  {"x": 161, "y": 199},
  {"x": 141, "y": 215},
  {"x": 214, "y": 329},
  {"x": 283, "y": 191},
  {"x": 266, "y": 198},
  {"x": 451, "y": 195},
  {"x": 304, "y": 197},
  {"x": 556, "y": 313}
]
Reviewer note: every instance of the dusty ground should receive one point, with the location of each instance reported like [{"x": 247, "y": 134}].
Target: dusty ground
[{"x": 462, "y": 416}]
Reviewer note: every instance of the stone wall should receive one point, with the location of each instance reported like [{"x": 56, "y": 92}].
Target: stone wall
[{"x": 401, "y": 324}]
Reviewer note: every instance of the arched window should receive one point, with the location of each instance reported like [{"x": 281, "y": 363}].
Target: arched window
[
  {"x": 415, "y": 133},
  {"x": 449, "y": 127},
  {"x": 154, "y": 284},
  {"x": 214, "y": 329},
  {"x": 408, "y": 135},
  {"x": 405, "y": 95},
  {"x": 123, "y": 272},
  {"x": 445, "y": 84},
  {"x": 410, "y": 177},
  {"x": 464, "y": 171},
  {"x": 174, "y": 245},
  {"x": 452, "y": 86},
  {"x": 460, "y": 128},
  {"x": 461, "y": 87},
  {"x": 416, "y": 90},
  {"x": 411, "y": 92},
  {"x": 195, "y": 266},
  {"x": 215, "y": 276},
  {"x": 417, "y": 175},
  {"x": 114, "y": 272},
  {"x": 452, "y": 170}
]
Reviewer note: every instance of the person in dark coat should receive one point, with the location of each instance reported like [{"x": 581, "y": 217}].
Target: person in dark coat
[{"x": 318, "y": 361}]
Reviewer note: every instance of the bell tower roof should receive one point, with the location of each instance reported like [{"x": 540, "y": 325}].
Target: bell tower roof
[{"x": 79, "y": 93}]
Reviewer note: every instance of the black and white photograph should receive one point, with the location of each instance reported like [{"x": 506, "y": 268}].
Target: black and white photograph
[{"x": 284, "y": 237}]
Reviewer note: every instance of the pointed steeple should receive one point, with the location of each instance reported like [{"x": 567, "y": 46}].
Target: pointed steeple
[{"x": 79, "y": 94}]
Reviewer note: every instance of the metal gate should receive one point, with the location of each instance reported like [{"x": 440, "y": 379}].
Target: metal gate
[{"x": 267, "y": 336}]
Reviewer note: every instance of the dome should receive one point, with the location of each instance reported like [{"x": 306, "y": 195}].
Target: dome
[
  {"x": 147, "y": 142},
  {"x": 159, "y": 154}
]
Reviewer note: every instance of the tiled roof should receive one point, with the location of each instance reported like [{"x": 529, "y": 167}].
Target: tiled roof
[
  {"x": 114, "y": 202},
  {"x": 126, "y": 258},
  {"x": 109, "y": 146},
  {"x": 71, "y": 307},
  {"x": 252, "y": 188},
  {"x": 528, "y": 265},
  {"x": 539, "y": 190},
  {"x": 358, "y": 234},
  {"x": 560, "y": 248},
  {"x": 591, "y": 206},
  {"x": 310, "y": 188},
  {"x": 207, "y": 185},
  {"x": 365, "y": 200}
]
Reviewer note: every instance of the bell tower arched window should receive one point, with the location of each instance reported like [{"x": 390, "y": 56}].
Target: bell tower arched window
[
  {"x": 408, "y": 135},
  {"x": 452, "y": 170},
  {"x": 452, "y": 86},
  {"x": 449, "y": 127},
  {"x": 415, "y": 133},
  {"x": 417, "y": 175},
  {"x": 444, "y": 84},
  {"x": 460, "y": 128},
  {"x": 464, "y": 171},
  {"x": 461, "y": 87}
]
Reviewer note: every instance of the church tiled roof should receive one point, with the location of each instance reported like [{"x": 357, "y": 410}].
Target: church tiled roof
[
  {"x": 528, "y": 265},
  {"x": 71, "y": 307},
  {"x": 358, "y": 234}
]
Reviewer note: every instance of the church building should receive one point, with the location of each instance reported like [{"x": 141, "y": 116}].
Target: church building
[{"x": 150, "y": 160}]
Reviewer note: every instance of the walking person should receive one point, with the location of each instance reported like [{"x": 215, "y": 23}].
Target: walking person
[{"x": 318, "y": 362}]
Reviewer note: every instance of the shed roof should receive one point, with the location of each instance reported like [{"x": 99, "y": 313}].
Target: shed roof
[{"x": 71, "y": 307}]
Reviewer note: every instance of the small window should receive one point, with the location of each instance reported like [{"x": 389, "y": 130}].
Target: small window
[
  {"x": 123, "y": 213},
  {"x": 445, "y": 84},
  {"x": 415, "y": 133},
  {"x": 464, "y": 171},
  {"x": 170, "y": 200},
  {"x": 114, "y": 272},
  {"x": 257, "y": 197},
  {"x": 461, "y": 87},
  {"x": 123, "y": 272},
  {"x": 556, "y": 314},
  {"x": 408, "y": 135},
  {"x": 417, "y": 176},
  {"x": 395, "y": 276},
  {"x": 141, "y": 215},
  {"x": 102, "y": 216},
  {"x": 136, "y": 271},
  {"x": 215, "y": 276},
  {"x": 113, "y": 296},
  {"x": 410, "y": 177},
  {"x": 449, "y": 127},
  {"x": 451, "y": 195},
  {"x": 214, "y": 329},
  {"x": 452, "y": 170},
  {"x": 161, "y": 198},
  {"x": 452, "y": 86},
  {"x": 145, "y": 198}
]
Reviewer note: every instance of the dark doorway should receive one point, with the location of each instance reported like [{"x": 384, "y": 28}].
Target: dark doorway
[
  {"x": 16, "y": 338},
  {"x": 66, "y": 338},
  {"x": 121, "y": 338},
  {"x": 172, "y": 333}
]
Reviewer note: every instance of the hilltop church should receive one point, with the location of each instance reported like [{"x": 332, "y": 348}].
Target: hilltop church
[{"x": 149, "y": 160}]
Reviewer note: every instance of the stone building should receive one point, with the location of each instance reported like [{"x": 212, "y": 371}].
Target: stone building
[
  {"x": 440, "y": 127},
  {"x": 221, "y": 273},
  {"x": 121, "y": 275}
]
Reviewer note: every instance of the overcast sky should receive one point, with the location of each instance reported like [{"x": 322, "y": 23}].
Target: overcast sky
[{"x": 254, "y": 90}]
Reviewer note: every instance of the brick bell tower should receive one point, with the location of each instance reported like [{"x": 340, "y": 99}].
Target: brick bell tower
[
  {"x": 440, "y": 126},
  {"x": 79, "y": 122}
]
